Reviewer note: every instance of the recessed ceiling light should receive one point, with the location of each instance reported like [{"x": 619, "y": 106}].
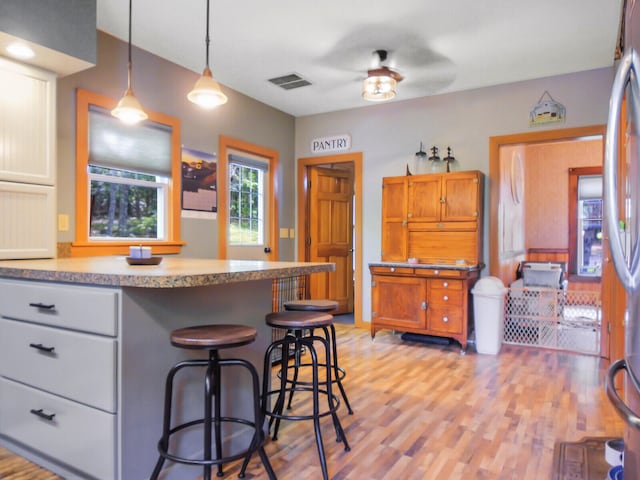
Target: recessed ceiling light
[{"x": 20, "y": 50}]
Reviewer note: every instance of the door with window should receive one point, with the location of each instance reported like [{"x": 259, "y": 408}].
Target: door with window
[{"x": 247, "y": 209}]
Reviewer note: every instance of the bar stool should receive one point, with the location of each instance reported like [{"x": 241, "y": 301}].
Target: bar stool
[
  {"x": 213, "y": 338},
  {"x": 323, "y": 306},
  {"x": 295, "y": 323}
]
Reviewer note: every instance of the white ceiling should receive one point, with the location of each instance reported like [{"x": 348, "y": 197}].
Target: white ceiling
[{"x": 438, "y": 45}]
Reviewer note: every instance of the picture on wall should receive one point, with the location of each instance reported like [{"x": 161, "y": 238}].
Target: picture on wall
[{"x": 199, "y": 181}]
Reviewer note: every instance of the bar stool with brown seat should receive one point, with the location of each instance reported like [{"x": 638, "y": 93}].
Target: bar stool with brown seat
[
  {"x": 322, "y": 305},
  {"x": 296, "y": 323},
  {"x": 213, "y": 338}
]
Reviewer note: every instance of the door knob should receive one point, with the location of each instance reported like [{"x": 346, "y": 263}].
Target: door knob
[{"x": 267, "y": 250}]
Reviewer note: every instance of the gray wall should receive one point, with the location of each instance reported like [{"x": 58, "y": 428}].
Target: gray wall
[
  {"x": 68, "y": 26},
  {"x": 162, "y": 86},
  {"x": 389, "y": 134}
]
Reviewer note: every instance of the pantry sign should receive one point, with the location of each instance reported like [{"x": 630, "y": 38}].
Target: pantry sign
[{"x": 337, "y": 143}]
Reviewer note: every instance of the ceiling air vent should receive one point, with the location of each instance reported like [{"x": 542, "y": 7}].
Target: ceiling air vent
[{"x": 289, "y": 82}]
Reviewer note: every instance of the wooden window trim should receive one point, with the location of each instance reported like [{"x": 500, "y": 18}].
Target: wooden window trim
[
  {"x": 228, "y": 143},
  {"x": 83, "y": 246},
  {"x": 574, "y": 175}
]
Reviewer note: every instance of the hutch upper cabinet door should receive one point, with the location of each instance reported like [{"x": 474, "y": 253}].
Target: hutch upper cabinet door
[
  {"x": 425, "y": 196},
  {"x": 461, "y": 197},
  {"x": 394, "y": 219}
]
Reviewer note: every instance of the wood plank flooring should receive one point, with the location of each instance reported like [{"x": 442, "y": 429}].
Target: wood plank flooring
[{"x": 427, "y": 412}]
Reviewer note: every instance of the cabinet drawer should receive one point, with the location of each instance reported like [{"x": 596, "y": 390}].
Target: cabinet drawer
[
  {"x": 87, "y": 309},
  {"x": 444, "y": 296},
  {"x": 446, "y": 284},
  {"x": 445, "y": 319},
  {"x": 395, "y": 270},
  {"x": 436, "y": 272},
  {"x": 439, "y": 226},
  {"x": 80, "y": 367},
  {"x": 76, "y": 435}
]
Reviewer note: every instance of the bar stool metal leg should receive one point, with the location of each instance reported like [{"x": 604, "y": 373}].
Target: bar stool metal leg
[
  {"x": 258, "y": 438},
  {"x": 338, "y": 373},
  {"x": 212, "y": 394}
]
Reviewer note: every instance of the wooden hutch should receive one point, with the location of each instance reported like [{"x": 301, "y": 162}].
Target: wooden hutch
[{"x": 431, "y": 254}]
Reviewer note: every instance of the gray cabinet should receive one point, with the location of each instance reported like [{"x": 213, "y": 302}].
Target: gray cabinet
[{"x": 58, "y": 372}]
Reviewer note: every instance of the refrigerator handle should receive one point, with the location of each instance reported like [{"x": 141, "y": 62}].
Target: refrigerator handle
[
  {"x": 623, "y": 410},
  {"x": 629, "y": 273}
]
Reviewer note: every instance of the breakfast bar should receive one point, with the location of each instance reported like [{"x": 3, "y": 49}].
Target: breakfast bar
[{"x": 84, "y": 351}]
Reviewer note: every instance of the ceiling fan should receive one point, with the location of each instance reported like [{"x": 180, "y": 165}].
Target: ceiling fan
[{"x": 381, "y": 82}]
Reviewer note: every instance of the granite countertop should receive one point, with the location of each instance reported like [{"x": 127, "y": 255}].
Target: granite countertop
[
  {"x": 440, "y": 266},
  {"x": 173, "y": 272}
]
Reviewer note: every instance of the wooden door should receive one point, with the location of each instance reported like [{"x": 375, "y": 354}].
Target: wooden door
[
  {"x": 394, "y": 219},
  {"x": 461, "y": 195},
  {"x": 425, "y": 193},
  {"x": 331, "y": 234}
]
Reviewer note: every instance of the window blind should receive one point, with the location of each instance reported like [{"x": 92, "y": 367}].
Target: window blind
[
  {"x": 248, "y": 162},
  {"x": 589, "y": 186},
  {"x": 145, "y": 147}
]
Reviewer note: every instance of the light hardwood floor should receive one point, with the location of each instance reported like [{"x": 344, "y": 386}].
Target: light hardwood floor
[{"x": 427, "y": 412}]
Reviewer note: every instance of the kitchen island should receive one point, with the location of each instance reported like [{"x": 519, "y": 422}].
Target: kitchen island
[{"x": 84, "y": 352}]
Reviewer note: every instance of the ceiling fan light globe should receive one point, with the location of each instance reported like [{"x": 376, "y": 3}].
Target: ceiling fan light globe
[
  {"x": 206, "y": 92},
  {"x": 128, "y": 110},
  {"x": 379, "y": 88}
]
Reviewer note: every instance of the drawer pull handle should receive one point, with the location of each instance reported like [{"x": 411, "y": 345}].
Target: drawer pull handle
[
  {"x": 445, "y": 319},
  {"x": 44, "y": 306},
  {"x": 40, "y": 413},
  {"x": 445, "y": 284},
  {"x": 39, "y": 346},
  {"x": 423, "y": 306},
  {"x": 445, "y": 298}
]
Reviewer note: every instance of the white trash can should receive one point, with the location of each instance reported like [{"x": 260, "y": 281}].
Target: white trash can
[{"x": 488, "y": 311}]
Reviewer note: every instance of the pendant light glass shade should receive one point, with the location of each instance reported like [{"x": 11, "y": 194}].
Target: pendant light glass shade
[
  {"x": 380, "y": 85},
  {"x": 129, "y": 110},
  {"x": 206, "y": 92}
]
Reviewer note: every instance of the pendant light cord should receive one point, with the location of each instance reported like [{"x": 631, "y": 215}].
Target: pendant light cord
[
  {"x": 129, "y": 62},
  {"x": 207, "y": 37}
]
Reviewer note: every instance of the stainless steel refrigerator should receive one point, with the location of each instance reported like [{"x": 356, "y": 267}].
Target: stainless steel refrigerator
[{"x": 622, "y": 185}]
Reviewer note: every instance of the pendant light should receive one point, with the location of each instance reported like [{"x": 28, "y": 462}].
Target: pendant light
[
  {"x": 206, "y": 92},
  {"x": 381, "y": 82},
  {"x": 129, "y": 110}
]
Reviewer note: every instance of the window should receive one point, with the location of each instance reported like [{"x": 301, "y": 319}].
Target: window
[
  {"x": 125, "y": 192},
  {"x": 246, "y": 202},
  {"x": 585, "y": 222},
  {"x": 126, "y": 204}
]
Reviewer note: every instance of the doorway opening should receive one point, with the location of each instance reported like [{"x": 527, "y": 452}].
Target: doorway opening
[
  {"x": 511, "y": 210},
  {"x": 329, "y": 205}
]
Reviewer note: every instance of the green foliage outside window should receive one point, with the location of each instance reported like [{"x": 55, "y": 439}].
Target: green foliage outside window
[
  {"x": 122, "y": 210},
  {"x": 245, "y": 222}
]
